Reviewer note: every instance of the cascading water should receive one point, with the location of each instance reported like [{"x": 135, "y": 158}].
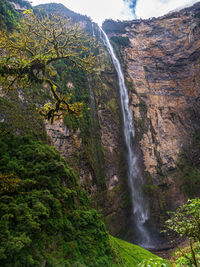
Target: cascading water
[
  {"x": 93, "y": 33},
  {"x": 140, "y": 207}
]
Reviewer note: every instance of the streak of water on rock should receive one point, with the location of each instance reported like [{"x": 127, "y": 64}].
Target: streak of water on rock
[{"x": 135, "y": 178}]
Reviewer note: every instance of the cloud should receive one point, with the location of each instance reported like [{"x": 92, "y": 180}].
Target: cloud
[
  {"x": 154, "y": 8},
  {"x": 98, "y": 10},
  {"x": 131, "y": 4}
]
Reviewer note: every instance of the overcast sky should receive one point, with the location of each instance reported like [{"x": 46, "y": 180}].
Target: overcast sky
[
  {"x": 99, "y": 10},
  {"x": 155, "y": 8}
]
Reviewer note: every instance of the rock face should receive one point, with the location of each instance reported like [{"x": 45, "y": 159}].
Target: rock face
[
  {"x": 162, "y": 66},
  {"x": 161, "y": 62},
  {"x": 99, "y": 163},
  {"x": 161, "y": 59}
]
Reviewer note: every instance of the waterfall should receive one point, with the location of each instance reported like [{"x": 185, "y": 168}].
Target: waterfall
[
  {"x": 93, "y": 33},
  {"x": 135, "y": 178}
]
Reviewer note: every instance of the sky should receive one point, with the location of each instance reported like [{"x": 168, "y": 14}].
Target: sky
[{"x": 100, "y": 10}]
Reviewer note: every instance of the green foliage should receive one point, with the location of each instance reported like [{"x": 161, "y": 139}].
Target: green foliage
[
  {"x": 154, "y": 263},
  {"x": 63, "y": 10},
  {"x": 121, "y": 41},
  {"x": 191, "y": 178},
  {"x": 77, "y": 87},
  {"x": 8, "y": 16},
  {"x": 28, "y": 52},
  {"x": 185, "y": 222},
  {"x": 151, "y": 189},
  {"x": 131, "y": 87},
  {"x": 189, "y": 170},
  {"x": 22, "y": 116},
  {"x": 51, "y": 8},
  {"x": 44, "y": 214},
  {"x": 183, "y": 257},
  {"x": 66, "y": 71},
  {"x": 130, "y": 255}
]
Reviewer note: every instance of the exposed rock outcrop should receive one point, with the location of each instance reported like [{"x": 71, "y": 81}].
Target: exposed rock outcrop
[
  {"x": 163, "y": 72},
  {"x": 161, "y": 63}
]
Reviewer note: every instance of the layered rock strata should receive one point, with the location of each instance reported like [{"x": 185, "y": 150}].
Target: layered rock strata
[{"x": 162, "y": 66}]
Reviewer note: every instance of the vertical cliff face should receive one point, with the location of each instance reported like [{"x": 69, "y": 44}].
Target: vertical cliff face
[
  {"x": 92, "y": 145},
  {"x": 162, "y": 58},
  {"x": 115, "y": 200},
  {"x": 161, "y": 64},
  {"x": 95, "y": 151}
]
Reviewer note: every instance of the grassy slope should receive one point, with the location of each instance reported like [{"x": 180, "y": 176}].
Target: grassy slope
[{"x": 130, "y": 255}]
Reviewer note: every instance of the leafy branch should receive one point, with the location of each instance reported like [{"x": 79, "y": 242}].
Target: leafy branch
[{"x": 27, "y": 54}]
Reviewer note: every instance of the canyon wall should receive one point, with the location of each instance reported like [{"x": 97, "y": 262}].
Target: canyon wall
[
  {"x": 97, "y": 153},
  {"x": 161, "y": 59}
]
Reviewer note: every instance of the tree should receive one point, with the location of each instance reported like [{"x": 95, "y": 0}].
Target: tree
[
  {"x": 8, "y": 15},
  {"x": 28, "y": 52},
  {"x": 185, "y": 221}
]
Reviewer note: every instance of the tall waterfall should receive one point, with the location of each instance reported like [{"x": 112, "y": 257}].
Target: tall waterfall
[{"x": 135, "y": 179}]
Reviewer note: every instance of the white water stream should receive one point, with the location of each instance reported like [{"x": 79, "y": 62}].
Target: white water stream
[{"x": 140, "y": 207}]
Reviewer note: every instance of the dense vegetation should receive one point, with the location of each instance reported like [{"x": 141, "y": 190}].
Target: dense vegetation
[
  {"x": 121, "y": 41},
  {"x": 28, "y": 52},
  {"x": 189, "y": 168},
  {"x": 44, "y": 212},
  {"x": 62, "y": 10},
  {"x": 185, "y": 222},
  {"x": 78, "y": 89},
  {"x": 45, "y": 215},
  {"x": 8, "y": 15}
]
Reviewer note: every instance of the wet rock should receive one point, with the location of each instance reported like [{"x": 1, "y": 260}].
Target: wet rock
[{"x": 162, "y": 65}]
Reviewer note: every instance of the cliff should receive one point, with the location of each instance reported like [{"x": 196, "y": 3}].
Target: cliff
[
  {"x": 161, "y": 63},
  {"x": 95, "y": 148},
  {"x": 160, "y": 59},
  {"x": 46, "y": 217}
]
